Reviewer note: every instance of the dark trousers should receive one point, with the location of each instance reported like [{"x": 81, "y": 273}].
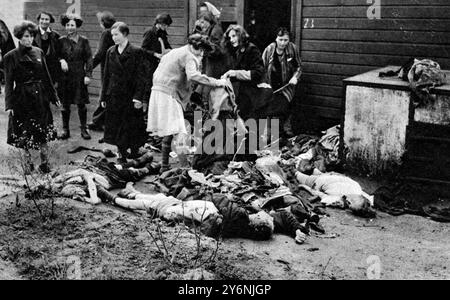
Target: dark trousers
[{"x": 82, "y": 114}]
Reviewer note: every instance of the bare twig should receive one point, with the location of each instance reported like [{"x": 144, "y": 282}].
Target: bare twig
[
  {"x": 161, "y": 238},
  {"x": 322, "y": 274},
  {"x": 156, "y": 244}
]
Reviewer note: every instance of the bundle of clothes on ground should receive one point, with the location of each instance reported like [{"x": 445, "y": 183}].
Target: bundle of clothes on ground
[{"x": 404, "y": 198}]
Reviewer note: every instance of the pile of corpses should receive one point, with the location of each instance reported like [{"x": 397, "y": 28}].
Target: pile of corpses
[{"x": 284, "y": 193}]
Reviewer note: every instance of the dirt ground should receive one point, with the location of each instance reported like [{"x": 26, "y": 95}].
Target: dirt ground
[{"x": 103, "y": 242}]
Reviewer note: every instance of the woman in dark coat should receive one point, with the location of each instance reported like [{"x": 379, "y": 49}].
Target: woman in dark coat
[
  {"x": 29, "y": 92},
  {"x": 47, "y": 40},
  {"x": 76, "y": 63},
  {"x": 106, "y": 20},
  {"x": 6, "y": 45},
  {"x": 247, "y": 71},
  {"x": 155, "y": 46},
  {"x": 123, "y": 94},
  {"x": 6, "y": 40}
]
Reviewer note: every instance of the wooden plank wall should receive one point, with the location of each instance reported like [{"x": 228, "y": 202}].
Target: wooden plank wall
[
  {"x": 343, "y": 42},
  {"x": 138, "y": 14}
]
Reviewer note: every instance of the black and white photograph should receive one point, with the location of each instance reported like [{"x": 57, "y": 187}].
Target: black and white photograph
[{"x": 224, "y": 145}]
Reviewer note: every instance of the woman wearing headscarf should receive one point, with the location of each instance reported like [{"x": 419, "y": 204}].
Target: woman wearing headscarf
[
  {"x": 209, "y": 7},
  {"x": 283, "y": 70},
  {"x": 29, "y": 92},
  {"x": 106, "y": 20},
  {"x": 214, "y": 63},
  {"x": 123, "y": 95},
  {"x": 172, "y": 90},
  {"x": 47, "y": 39},
  {"x": 76, "y": 63}
]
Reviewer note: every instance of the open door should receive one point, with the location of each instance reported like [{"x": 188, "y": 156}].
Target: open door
[{"x": 263, "y": 18}]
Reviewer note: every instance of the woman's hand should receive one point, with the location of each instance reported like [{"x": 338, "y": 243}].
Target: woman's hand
[
  {"x": 87, "y": 80},
  {"x": 10, "y": 112},
  {"x": 293, "y": 81},
  {"x": 138, "y": 104},
  {"x": 158, "y": 56},
  {"x": 58, "y": 103},
  {"x": 64, "y": 66},
  {"x": 229, "y": 74}
]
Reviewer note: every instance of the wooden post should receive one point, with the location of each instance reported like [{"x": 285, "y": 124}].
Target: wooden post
[
  {"x": 240, "y": 8},
  {"x": 296, "y": 21},
  {"x": 192, "y": 14}
]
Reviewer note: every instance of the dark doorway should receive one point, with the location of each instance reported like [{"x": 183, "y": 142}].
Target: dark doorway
[{"x": 263, "y": 18}]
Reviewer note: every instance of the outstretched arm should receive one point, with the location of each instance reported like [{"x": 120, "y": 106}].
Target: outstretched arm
[{"x": 194, "y": 75}]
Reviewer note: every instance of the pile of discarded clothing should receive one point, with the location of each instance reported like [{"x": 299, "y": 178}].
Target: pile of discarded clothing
[
  {"x": 253, "y": 187},
  {"x": 311, "y": 152},
  {"x": 404, "y": 198},
  {"x": 422, "y": 75}
]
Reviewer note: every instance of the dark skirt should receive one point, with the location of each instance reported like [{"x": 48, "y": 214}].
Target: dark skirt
[
  {"x": 32, "y": 123},
  {"x": 276, "y": 107},
  {"x": 71, "y": 87},
  {"x": 125, "y": 128}
]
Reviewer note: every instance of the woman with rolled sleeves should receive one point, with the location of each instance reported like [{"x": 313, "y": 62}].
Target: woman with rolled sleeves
[
  {"x": 283, "y": 70},
  {"x": 172, "y": 90},
  {"x": 29, "y": 92},
  {"x": 76, "y": 63},
  {"x": 123, "y": 94}
]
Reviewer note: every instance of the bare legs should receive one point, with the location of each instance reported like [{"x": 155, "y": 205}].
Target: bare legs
[
  {"x": 166, "y": 148},
  {"x": 28, "y": 161}
]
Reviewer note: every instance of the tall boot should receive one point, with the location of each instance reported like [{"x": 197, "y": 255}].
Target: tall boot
[
  {"x": 82, "y": 113},
  {"x": 123, "y": 155},
  {"x": 166, "y": 148},
  {"x": 66, "y": 119}
]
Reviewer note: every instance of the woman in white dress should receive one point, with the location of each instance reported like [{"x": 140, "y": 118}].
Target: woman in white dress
[{"x": 172, "y": 90}]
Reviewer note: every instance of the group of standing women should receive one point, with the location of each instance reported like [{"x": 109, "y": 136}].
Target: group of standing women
[
  {"x": 152, "y": 79},
  {"x": 46, "y": 68},
  {"x": 231, "y": 57}
]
